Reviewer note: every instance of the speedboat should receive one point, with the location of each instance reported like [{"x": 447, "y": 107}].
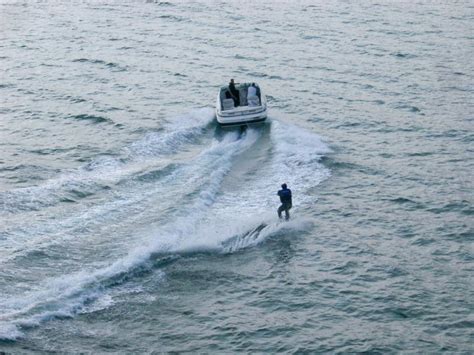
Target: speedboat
[{"x": 250, "y": 107}]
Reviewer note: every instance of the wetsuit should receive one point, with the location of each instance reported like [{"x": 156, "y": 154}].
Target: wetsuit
[{"x": 286, "y": 203}]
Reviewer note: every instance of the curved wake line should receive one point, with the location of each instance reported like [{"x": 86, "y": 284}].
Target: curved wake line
[
  {"x": 154, "y": 151},
  {"x": 105, "y": 170},
  {"x": 246, "y": 232},
  {"x": 196, "y": 227},
  {"x": 210, "y": 165},
  {"x": 68, "y": 295},
  {"x": 65, "y": 295}
]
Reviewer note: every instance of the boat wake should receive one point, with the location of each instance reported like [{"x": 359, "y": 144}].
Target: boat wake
[{"x": 171, "y": 193}]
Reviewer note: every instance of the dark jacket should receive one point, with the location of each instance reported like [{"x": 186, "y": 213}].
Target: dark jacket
[
  {"x": 234, "y": 91},
  {"x": 285, "y": 196}
]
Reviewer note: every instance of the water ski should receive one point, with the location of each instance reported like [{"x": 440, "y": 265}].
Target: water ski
[{"x": 256, "y": 231}]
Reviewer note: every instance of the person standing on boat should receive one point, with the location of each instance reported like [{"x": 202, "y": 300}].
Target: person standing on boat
[
  {"x": 234, "y": 92},
  {"x": 286, "y": 201}
]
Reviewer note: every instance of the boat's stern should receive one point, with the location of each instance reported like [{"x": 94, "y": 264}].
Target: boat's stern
[
  {"x": 252, "y": 109},
  {"x": 241, "y": 116}
]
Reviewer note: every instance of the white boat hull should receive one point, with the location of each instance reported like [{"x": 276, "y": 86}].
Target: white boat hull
[{"x": 241, "y": 117}]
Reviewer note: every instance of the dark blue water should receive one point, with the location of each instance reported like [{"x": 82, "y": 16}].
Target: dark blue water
[{"x": 130, "y": 222}]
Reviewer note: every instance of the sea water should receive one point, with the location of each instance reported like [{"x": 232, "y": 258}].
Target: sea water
[{"x": 130, "y": 222}]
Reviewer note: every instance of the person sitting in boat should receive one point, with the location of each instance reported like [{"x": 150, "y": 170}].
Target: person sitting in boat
[
  {"x": 286, "y": 201},
  {"x": 258, "y": 91},
  {"x": 252, "y": 97},
  {"x": 234, "y": 93}
]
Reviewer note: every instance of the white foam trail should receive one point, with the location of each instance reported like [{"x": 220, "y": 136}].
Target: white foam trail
[
  {"x": 106, "y": 170},
  {"x": 194, "y": 228},
  {"x": 9, "y": 331},
  {"x": 63, "y": 296},
  {"x": 294, "y": 158},
  {"x": 178, "y": 132},
  {"x": 297, "y": 157},
  {"x": 20, "y": 237},
  {"x": 297, "y": 150},
  {"x": 228, "y": 236}
]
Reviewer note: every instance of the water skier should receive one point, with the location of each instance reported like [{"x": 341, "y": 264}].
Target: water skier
[{"x": 286, "y": 202}]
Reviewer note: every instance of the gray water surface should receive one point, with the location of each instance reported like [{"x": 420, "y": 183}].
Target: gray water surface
[{"x": 130, "y": 222}]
